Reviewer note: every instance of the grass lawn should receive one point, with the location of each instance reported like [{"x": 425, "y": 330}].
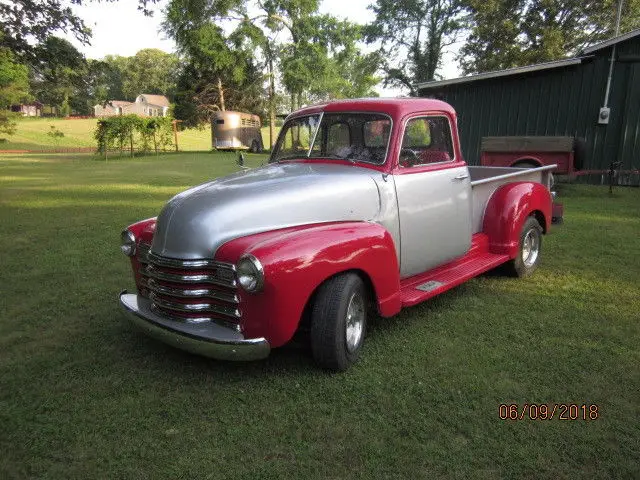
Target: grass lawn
[
  {"x": 31, "y": 134},
  {"x": 84, "y": 395}
]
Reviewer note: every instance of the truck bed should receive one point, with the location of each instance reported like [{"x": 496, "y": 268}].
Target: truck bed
[{"x": 486, "y": 180}]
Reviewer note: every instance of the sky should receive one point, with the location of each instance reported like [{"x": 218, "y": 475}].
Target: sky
[{"x": 120, "y": 29}]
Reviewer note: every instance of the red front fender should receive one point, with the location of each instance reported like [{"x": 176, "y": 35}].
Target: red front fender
[
  {"x": 297, "y": 260},
  {"x": 507, "y": 210}
]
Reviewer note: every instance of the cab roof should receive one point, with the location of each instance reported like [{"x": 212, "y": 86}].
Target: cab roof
[{"x": 394, "y": 107}]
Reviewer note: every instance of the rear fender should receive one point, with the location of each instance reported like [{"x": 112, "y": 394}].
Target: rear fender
[
  {"x": 297, "y": 260},
  {"x": 507, "y": 210}
]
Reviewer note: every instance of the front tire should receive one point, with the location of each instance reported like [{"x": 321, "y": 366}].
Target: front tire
[
  {"x": 529, "y": 250},
  {"x": 338, "y": 322}
]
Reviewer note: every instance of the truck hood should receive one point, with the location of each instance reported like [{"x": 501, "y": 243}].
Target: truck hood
[{"x": 195, "y": 223}]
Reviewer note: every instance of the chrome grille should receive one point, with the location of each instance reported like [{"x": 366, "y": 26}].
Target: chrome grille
[{"x": 198, "y": 290}]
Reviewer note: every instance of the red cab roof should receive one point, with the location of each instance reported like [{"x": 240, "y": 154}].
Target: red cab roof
[{"x": 395, "y": 107}]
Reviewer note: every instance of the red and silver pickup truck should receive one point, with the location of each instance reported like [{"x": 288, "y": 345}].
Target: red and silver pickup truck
[{"x": 365, "y": 206}]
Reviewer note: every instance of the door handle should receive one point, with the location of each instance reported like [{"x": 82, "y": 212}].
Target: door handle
[{"x": 462, "y": 176}]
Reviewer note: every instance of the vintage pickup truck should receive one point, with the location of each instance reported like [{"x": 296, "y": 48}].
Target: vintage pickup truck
[{"x": 365, "y": 206}]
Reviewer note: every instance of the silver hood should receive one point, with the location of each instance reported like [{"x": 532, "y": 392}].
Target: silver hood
[{"x": 195, "y": 223}]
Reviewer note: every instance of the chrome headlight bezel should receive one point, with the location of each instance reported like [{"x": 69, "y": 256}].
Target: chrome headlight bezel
[
  {"x": 128, "y": 243},
  {"x": 249, "y": 273}
]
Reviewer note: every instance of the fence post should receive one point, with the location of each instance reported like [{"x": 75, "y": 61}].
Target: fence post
[{"x": 175, "y": 132}]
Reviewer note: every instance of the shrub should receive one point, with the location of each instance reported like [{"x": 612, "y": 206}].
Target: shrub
[
  {"x": 55, "y": 133},
  {"x": 7, "y": 122}
]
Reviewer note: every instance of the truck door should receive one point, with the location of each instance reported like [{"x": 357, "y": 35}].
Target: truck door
[{"x": 434, "y": 196}]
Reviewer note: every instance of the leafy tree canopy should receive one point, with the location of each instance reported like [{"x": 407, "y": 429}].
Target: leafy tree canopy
[
  {"x": 149, "y": 71},
  {"x": 26, "y": 23},
  {"x": 241, "y": 45},
  {"x": 14, "y": 80},
  {"x": 413, "y": 35},
  {"x": 511, "y": 33}
]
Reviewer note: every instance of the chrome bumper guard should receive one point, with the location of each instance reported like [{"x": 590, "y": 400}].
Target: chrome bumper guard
[{"x": 207, "y": 339}]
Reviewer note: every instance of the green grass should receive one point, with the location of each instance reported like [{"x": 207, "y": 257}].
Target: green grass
[
  {"x": 31, "y": 135},
  {"x": 84, "y": 395}
]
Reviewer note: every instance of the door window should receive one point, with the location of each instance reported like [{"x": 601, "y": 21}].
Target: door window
[{"x": 426, "y": 140}]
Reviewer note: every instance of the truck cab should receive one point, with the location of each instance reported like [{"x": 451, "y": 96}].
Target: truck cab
[{"x": 364, "y": 204}]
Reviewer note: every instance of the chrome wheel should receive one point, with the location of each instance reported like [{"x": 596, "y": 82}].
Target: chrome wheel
[
  {"x": 530, "y": 247},
  {"x": 354, "y": 325}
]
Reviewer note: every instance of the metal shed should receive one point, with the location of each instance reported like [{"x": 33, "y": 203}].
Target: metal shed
[{"x": 562, "y": 98}]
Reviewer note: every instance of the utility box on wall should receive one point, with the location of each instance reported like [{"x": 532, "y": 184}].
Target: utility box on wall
[{"x": 603, "y": 116}]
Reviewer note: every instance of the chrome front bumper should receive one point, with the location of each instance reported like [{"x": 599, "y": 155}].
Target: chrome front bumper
[{"x": 207, "y": 339}]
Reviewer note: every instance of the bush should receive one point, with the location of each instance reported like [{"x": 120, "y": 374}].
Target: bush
[
  {"x": 55, "y": 133},
  {"x": 137, "y": 133}
]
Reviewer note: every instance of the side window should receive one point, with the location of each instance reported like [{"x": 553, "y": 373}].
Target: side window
[{"x": 426, "y": 140}]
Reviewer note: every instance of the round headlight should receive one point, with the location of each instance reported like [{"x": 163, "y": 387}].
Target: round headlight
[
  {"x": 128, "y": 243},
  {"x": 250, "y": 273}
]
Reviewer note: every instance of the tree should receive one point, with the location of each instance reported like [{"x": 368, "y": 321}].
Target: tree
[
  {"x": 221, "y": 59},
  {"x": 511, "y": 33},
  {"x": 92, "y": 87},
  {"x": 114, "y": 72},
  {"x": 413, "y": 35},
  {"x": 324, "y": 62},
  {"x": 24, "y": 24},
  {"x": 198, "y": 93},
  {"x": 14, "y": 88},
  {"x": 58, "y": 74},
  {"x": 149, "y": 71},
  {"x": 494, "y": 42},
  {"x": 14, "y": 80},
  {"x": 283, "y": 43}
]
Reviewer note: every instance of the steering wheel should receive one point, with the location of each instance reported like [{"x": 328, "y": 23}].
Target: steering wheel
[{"x": 409, "y": 158}]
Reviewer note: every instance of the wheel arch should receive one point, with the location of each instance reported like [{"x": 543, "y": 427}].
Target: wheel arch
[
  {"x": 529, "y": 159},
  {"x": 507, "y": 210},
  {"x": 364, "y": 276},
  {"x": 297, "y": 261},
  {"x": 542, "y": 220}
]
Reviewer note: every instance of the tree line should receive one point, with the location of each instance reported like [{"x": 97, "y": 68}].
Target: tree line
[{"x": 268, "y": 56}]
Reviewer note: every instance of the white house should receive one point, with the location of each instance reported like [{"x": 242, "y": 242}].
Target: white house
[
  {"x": 146, "y": 105},
  {"x": 149, "y": 106},
  {"x": 110, "y": 108}
]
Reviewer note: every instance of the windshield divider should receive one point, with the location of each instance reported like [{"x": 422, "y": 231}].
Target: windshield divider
[{"x": 313, "y": 140}]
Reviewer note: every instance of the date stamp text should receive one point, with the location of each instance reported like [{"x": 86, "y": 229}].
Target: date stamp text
[{"x": 543, "y": 411}]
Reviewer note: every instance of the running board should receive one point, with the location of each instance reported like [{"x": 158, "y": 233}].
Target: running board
[{"x": 421, "y": 287}]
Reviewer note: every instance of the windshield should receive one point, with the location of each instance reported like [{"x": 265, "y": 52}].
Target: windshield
[{"x": 361, "y": 137}]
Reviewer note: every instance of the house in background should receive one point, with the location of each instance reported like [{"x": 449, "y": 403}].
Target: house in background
[
  {"x": 110, "y": 108},
  {"x": 145, "y": 106},
  {"x": 28, "y": 109},
  {"x": 149, "y": 106}
]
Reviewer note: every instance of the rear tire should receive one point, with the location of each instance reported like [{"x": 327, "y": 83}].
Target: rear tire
[
  {"x": 529, "y": 250},
  {"x": 338, "y": 322},
  {"x": 525, "y": 164}
]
